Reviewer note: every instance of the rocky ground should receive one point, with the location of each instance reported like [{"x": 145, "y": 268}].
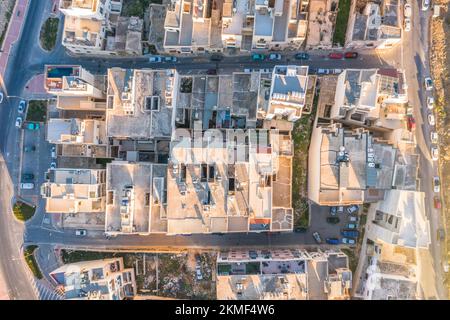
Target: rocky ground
[{"x": 440, "y": 61}]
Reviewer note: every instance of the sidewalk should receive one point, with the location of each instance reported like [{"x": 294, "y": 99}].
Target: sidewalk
[{"x": 13, "y": 33}]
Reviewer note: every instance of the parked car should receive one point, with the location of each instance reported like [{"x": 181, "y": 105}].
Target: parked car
[
  {"x": 302, "y": 56},
  {"x": 317, "y": 238},
  {"x": 170, "y": 59},
  {"x": 437, "y": 202},
  {"x": 350, "y": 233},
  {"x": 80, "y": 232},
  {"x": 441, "y": 234},
  {"x": 335, "y": 55},
  {"x": 53, "y": 165},
  {"x": 300, "y": 229},
  {"x": 351, "y": 226},
  {"x": 352, "y": 209},
  {"x": 436, "y": 184},
  {"x": 53, "y": 152},
  {"x": 425, "y": 5},
  {"x": 407, "y": 10},
  {"x": 351, "y": 55},
  {"x": 333, "y": 211},
  {"x": 1, "y": 97},
  {"x": 27, "y": 186},
  {"x": 431, "y": 119},
  {"x": 216, "y": 57},
  {"x": 430, "y": 102},
  {"x": 33, "y": 126},
  {"x": 428, "y": 84},
  {"x": 340, "y": 209},
  {"x": 434, "y": 137},
  {"x": 198, "y": 272},
  {"x": 155, "y": 59},
  {"x": 333, "y": 220},
  {"x": 27, "y": 177},
  {"x": 323, "y": 71},
  {"x": 407, "y": 24},
  {"x": 348, "y": 241},
  {"x": 19, "y": 122},
  {"x": 275, "y": 56},
  {"x": 258, "y": 57},
  {"x": 29, "y": 148},
  {"x": 22, "y": 105},
  {"x": 411, "y": 123},
  {"x": 434, "y": 153},
  {"x": 332, "y": 240},
  {"x": 353, "y": 219},
  {"x": 211, "y": 71}
]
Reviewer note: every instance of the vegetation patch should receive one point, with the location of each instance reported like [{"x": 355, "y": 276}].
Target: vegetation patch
[
  {"x": 352, "y": 258},
  {"x": 5, "y": 28},
  {"x": 301, "y": 135},
  {"x": 23, "y": 211},
  {"x": 137, "y": 8},
  {"x": 72, "y": 256},
  {"x": 37, "y": 111},
  {"x": 340, "y": 28},
  {"x": 49, "y": 33},
  {"x": 28, "y": 254}
]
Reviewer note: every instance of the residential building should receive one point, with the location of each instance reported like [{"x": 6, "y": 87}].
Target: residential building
[
  {"x": 75, "y": 87},
  {"x": 378, "y": 26},
  {"x": 74, "y": 190},
  {"x": 287, "y": 93},
  {"x": 230, "y": 187},
  {"x": 95, "y": 27},
  {"x": 400, "y": 220},
  {"x": 370, "y": 97},
  {"x": 264, "y": 25},
  {"x": 78, "y": 138},
  {"x": 282, "y": 274},
  {"x": 348, "y": 166},
  {"x": 136, "y": 198},
  {"x": 140, "y": 104},
  {"x": 95, "y": 280}
]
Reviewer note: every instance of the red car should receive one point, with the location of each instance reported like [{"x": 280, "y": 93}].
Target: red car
[
  {"x": 411, "y": 123},
  {"x": 437, "y": 203},
  {"x": 351, "y": 55},
  {"x": 335, "y": 55}
]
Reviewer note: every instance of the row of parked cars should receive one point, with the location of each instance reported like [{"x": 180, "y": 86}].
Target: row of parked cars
[{"x": 349, "y": 232}]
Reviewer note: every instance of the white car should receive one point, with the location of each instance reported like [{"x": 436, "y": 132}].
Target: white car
[
  {"x": 431, "y": 119},
  {"x": 19, "y": 122},
  {"x": 348, "y": 241},
  {"x": 353, "y": 219},
  {"x": 430, "y": 102},
  {"x": 428, "y": 84},
  {"x": 436, "y": 185},
  {"x": 352, "y": 209},
  {"x": 407, "y": 10},
  {"x": 155, "y": 59},
  {"x": 53, "y": 165},
  {"x": 80, "y": 232},
  {"x": 53, "y": 151},
  {"x": 407, "y": 24},
  {"x": 22, "y": 105},
  {"x": 425, "y": 5},
  {"x": 434, "y": 153},
  {"x": 275, "y": 56},
  {"x": 198, "y": 272}
]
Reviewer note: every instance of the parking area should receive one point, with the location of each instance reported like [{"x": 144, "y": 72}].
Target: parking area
[
  {"x": 36, "y": 158},
  {"x": 325, "y": 229}
]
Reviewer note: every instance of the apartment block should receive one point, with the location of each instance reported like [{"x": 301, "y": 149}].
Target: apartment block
[
  {"x": 95, "y": 280},
  {"x": 375, "y": 97},
  {"x": 283, "y": 274},
  {"x": 215, "y": 187},
  {"x": 76, "y": 88},
  {"x": 136, "y": 198},
  {"x": 74, "y": 190},
  {"x": 348, "y": 166},
  {"x": 96, "y": 27},
  {"x": 378, "y": 26}
]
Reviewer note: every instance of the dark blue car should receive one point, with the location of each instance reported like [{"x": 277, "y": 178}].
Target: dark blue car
[
  {"x": 332, "y": 241},
  {"x": 350, "y": 233}
]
